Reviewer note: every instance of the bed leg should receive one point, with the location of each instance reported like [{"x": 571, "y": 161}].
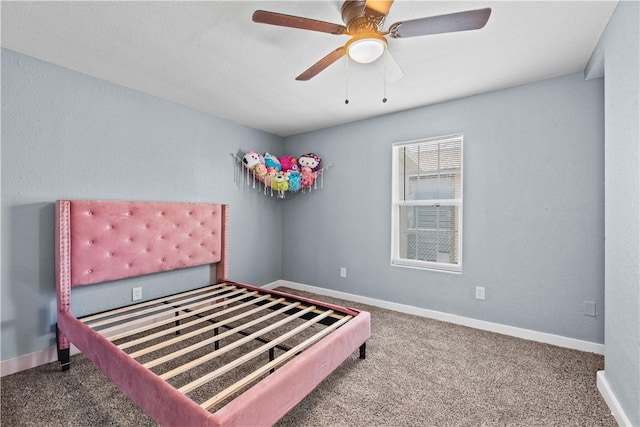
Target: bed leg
[
  {"x": 216, "y": 344},
  {"x": 363, "y": 351},
  {"x": 63, "y": 353},
  {"x": 272, "y": 355},
  {"x": 177, "y": 323}
]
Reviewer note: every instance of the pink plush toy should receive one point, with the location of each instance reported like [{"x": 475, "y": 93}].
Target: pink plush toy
[
  {"x": 308, "y": 178},
  {"x": 260, "y": 170},
  {"x": 288, "y": 163},
  {"x": 268, "y": 178}
]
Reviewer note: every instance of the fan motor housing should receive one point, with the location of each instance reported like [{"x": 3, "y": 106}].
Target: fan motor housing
[{"x": 358, "y": 19}]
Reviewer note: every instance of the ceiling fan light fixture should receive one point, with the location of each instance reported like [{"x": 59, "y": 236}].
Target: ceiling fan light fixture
[{"x": 367, "y": 48}]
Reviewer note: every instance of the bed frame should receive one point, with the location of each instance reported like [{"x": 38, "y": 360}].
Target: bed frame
[{"x": 223, "y": 354}]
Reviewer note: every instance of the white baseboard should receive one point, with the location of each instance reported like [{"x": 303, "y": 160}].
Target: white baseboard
[
  {"x": 31, "y": 360},
  {"x": 527, "y": 334},
  {"x": 49, "y": 355},
  {"x": 611, "y": 400}
]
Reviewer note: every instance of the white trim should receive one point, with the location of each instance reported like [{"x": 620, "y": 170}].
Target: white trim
[
  {"x": 611, "y": 400},
  {"x": 32, "y": 360},
  {"x": 513, "y": 331},
  {"x": 396, "y": 203},
  {"x": 49, "y": 355}
]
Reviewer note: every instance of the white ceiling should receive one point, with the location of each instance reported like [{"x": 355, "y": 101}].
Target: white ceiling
[{"x": 212, "y": 57}]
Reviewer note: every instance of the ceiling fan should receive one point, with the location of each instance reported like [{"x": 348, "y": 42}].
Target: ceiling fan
[{"x": 364, "y": 20}]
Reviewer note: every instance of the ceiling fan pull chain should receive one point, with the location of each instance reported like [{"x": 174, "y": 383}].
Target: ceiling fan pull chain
[
  {"x": 346, "y": 86},
  {"x": 384, "y": 75}
]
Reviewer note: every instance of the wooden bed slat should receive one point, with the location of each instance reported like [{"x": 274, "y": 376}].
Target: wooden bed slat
[
  {"x": 201, "y": 331},
  {"x": 208, "y": 404},
  {"x": 192, "y": 323},
  {"x": 245, "y": 358},
  {"x": 234, "y": 344},
  {"x": 167, "y": 306},
  {"x": 173, "y": 319},
  {"x": 88, "y": 319}
]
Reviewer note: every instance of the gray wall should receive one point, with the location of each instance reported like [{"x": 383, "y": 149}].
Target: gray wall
[
  {"x": 68, "y": 135},
  {"x": 534, "y": 194},
  {"x": 620, "y": 45},
  {"x": 533, "y": 208}
]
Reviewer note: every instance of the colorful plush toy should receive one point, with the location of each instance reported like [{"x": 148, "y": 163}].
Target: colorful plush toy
[
  {"x": 251, "y": 159},
  {"x": 272, "y": 161},
  {"x": 289, "y": 163},
  {"x": 307, "y": 178},
  {"x": 295, "y": 180},
  {"x": 260, "y": 170},
  {"x": 310, "y": 161},
  {"x": 279, "y": 182},
  {"x": 268, "y": 178}
]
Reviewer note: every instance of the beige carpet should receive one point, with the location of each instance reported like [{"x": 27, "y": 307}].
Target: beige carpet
[{"x": 418, "y": 372}]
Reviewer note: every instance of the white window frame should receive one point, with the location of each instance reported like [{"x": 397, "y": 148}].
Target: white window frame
[{"x": 396, "y": 260}]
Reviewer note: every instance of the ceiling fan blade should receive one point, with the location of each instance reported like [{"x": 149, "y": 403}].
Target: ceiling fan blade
[
  {"x": 461, "y": 21},
  {"x": 380, "y": 6},
  {"x": 273, "y": 18},
  {"x": 322, "y": 64}
]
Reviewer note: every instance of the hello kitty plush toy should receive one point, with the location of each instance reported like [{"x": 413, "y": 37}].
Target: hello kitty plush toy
[{"x": 309, "y": 161}]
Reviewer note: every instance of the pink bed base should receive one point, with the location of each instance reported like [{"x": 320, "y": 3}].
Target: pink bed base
[{"x": 98, "y": 241}]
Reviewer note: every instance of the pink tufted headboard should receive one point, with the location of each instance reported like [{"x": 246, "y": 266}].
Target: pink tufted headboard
[{"x": 98, "y": 241}]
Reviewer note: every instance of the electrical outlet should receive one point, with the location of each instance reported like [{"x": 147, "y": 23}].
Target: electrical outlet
[
  {"x": 136, "y": 294},
  {"x": 343, "y": 272},
  {"x": 480, "y": 292}
]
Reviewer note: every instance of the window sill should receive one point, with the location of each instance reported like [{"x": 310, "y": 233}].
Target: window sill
[{"x": 427, "y": 267}]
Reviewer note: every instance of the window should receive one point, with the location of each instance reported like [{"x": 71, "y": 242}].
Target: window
[{"x": 427, "y": 203}]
